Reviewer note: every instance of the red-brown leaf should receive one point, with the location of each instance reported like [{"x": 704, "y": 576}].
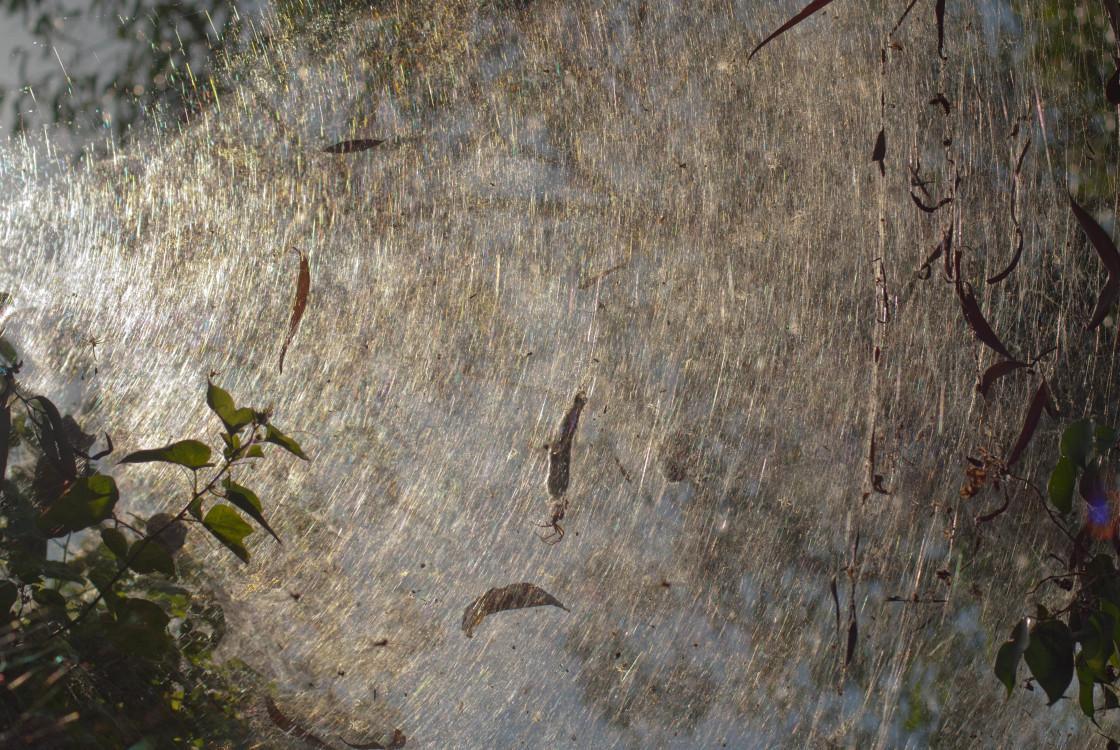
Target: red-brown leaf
[
  {"x": 514, "y": 596},
  {"x": 1014, "y": 259},
  {"x": 349, "y": 147},
  {"x": 1041, "y": 402},
  {"x": 977, "y": 322},
  {"x": 997, "y": 371},
  {"x": 1106, "y": 249},
  {"x": 929, "y": 209},
  {"x": 303, "y": 287},
  {"x": 809, "y": 10},
  {"x": 287, "y": 726},
  {"x": 880, "y": 151}
]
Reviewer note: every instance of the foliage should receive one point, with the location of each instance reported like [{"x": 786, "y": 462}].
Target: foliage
[{"x": 100, "y": 643}]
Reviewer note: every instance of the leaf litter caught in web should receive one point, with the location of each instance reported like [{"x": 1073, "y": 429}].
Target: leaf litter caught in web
[
  {"x": 976, "y": 320},
  {"x": 303, "y": 287},
  {"x": 1039, "y": 403},
  {"x": 513, "y": 596},
  {"x": 809, "y": 10},
  {"x": 1106, "y": 249},
  {"x": 880, "y": 151},
  {"x": 399, "y": 740},
  {"x": 289, "y": 727},
  {"x": 349, "y": 147}
]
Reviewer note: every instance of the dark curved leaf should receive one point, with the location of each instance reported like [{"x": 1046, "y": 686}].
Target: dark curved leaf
[
  {"x": 809, "y": 10},
  {"x": 5, "y": 436},
  {"x": 149, "y": 557},
  {"x": 303, "y": 287},
  {"x": 1106, "y": 249},
  {"x": 1112, "y": 88},
  {"x": 943, "y": 102},
  {"x": 997, "y": 371},
  {"x": 853, "y": 638},
  {"x": 115, "y": 542},
  {"x": 929, "y": 209},
  {"x": 287, "y": 726},
  {"x": 190, "y": 453},
  {"x": 880, "y": 151},
  {"x": 1007, "y": 660},
  {"x": 141, "y": 627},
  {"x": 977, "y": 322},
  {"x": 1050, "y": 657},
  {"x": 399, "y": 740},
  {"x": 1040, "y": 402},
  {"x": 349, "y": 147},
  {"x": 513, "y": 596},
  {"x": 939, "y": 11},
  {"x": 1014, "y": 259},
  {"x": 54, "y": 440}
]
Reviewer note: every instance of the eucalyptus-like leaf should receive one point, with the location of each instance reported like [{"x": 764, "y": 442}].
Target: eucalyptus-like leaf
[
  {"x": 513, "y": 596},
  {"x": 190, "y": 453},
  {"x": 228, "y": 528}
]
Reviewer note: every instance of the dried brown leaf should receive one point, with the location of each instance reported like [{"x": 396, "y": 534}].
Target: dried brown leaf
[
  {"x": 303, "y": 287},
  {"x": 1039, "y": 403},
  {"x": 880, "y": 151},
  {"x": 976, "y": 320},
  {"x": 929, "y": 209},
  {"x": 349, "y": 147},
  {"x": 853, "y": 636},
  {"x": 943, "y": 102},
  {"x": 513, "y": 596},
  {"x": 399, "y": 740},
  {"x": 289, "y": 727},
  {"x": 1106, "y": 249},
  {"x": 1112, "y": 88},
  {"x": 939, "y": 11},
  {"x": 997, "y": 371},
  {"x": 809, "y": 10}
]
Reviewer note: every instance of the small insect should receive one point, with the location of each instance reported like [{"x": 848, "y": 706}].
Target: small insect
[{"x": 556, "y": 515}]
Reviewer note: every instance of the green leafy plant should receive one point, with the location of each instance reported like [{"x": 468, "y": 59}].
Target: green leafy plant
[
  {"x": 1082, "y": 638},
  {"x": 100, "y": 643}
]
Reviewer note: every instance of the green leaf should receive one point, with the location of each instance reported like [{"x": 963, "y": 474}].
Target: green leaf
[
  {"x": 274, "y": 436},
  {"x": 195, "y": 508},
  {"x": 190, "y": 453},
  {"x": 1110, "y": 700},
  {"x": 48, "y": 597},
  {"x": 9, "y": 595},
  {"x": 1050, "y": 657},
  {"x": 140, "y": 627},
  {"x": 1077, "y": 441},
  {"x": 221, "y": 403},
  {"x": 1007, "y": 660},
  {"x": 150, "y": 558},
  {"x": 1105, "y": 438},
  {"x": 53, "y": 438},
  {"x": 254, "y": 452},
  {"x": 1062, "y": 481},
  {"x": 60, "y": 571},
  {"x": 228, "y": 528},
  {"x": 115, "y": 541},
  {"x": 1097, "y": 646},
  {"x": 244, "y": 499},
  {"x": 1085, "y": 689},
  {"x": 86, "y": 502}
]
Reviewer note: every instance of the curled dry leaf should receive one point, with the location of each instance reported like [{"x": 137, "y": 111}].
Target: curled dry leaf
[
  {"x": 809, "y": 10},
  {"x": 976, "y": 320},
  {"x": 929, "y": 209},
  {"x": 349, "y": 147},
  {"x": 514, "y": 596},
  {"x": 939, "y": 11},
  {"x": 287, "y": 726},
  {"x": 997, "y": 371},
  {"x": 943, "y": 102},
  {"x": 1106, "y": 249},
  {"x": 303, "y": 287},
  {"x": 880, "y": 151},
  {"x": 1039, "y": 403},
  {"x": 399, "y": 740},
  {"x": 853, "y": 636},
  {"x": 836, "y": 601},
  {"x": 560, "y": 453}
]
